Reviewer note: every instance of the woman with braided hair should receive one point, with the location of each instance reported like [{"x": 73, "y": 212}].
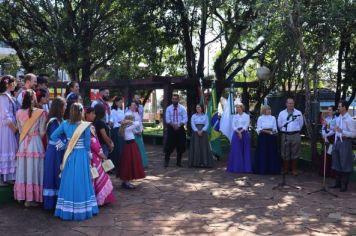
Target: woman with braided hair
[{"x": 8, "y": 130}]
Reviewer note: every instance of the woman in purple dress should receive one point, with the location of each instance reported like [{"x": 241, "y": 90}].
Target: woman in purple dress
[
  {"x": 239, "y": 157},
  {"x": 8, "y": 130}
]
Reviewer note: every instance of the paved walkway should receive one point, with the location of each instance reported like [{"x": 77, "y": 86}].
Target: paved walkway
[{"x": 185, "y": 201}]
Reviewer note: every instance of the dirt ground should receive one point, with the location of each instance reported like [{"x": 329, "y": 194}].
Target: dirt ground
[{"x": 187, "y": 201}]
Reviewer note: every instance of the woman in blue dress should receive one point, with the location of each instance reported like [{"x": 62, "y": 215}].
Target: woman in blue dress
[
  {"x": 267, "y": 159},
  {"x": 53, "y": 157},
  {"x": 76, "y": 196},
  {"x": 239, "y": 157}
]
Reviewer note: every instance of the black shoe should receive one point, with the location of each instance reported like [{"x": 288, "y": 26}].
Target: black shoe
[
  {"x": 127, "y": 186},
  {"x": 166, "y": 164},
  {"x": 337, "y": 183},
  {"x": 344, "y": 181},
  {"x": 343, "y": 189}
]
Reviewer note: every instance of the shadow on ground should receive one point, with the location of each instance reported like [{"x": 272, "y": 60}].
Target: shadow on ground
[{"x": 183, "y": 201}]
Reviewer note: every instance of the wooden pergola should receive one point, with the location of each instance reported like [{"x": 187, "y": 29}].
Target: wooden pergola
[{"x": 167, "y": 83}]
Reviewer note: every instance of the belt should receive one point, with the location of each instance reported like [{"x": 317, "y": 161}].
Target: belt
[
  {"x": 130, "y": 141},
  {"x": 291, "y": 133}
]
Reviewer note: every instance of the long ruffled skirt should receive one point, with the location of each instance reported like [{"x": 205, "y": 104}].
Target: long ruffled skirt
[
  {"x": 29, "y": 173},
  {"x": 239, "y": 158},
  {"x": 8, "y": 148},
  {"x": 76, "y": 197}
]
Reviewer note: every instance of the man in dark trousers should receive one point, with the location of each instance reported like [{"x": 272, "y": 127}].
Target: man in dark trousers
[
  {"x": 342, "y": 157},
  {"x": 175, "y": 117}
]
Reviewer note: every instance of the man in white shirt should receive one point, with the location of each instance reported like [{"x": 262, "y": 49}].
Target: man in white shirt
[
  {"x": 290, "y": 123},
  {"x": 30, "y": 81},
  {"x": 175, "y": 118},
  {"x": 104, "y": 97},
  {"x": 342, "y": 157},
  {"x": 42, "y": 83}
]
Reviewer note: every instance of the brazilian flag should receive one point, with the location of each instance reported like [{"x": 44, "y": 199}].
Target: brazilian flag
[{"x": 214, "y": 128}]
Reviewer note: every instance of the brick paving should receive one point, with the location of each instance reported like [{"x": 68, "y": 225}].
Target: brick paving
[{"x": 186, "y": 201}]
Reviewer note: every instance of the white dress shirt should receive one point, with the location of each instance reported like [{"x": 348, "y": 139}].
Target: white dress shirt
[
  {"x": 131, "y": 130},
  {"x": 199, "y": 119},
  {"x": 116, "y": 117},
  {"x": 346, "y": 124},
  {"x": 240, "y": 121},
  {"x": 295, "y": 118},
  {"x": 176, "y": 115},
  {"x": 266, "y": 122}
]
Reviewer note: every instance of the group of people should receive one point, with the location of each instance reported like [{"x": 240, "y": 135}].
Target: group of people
[
  {"x": 337, "y": 130},
  {"x": 267, "y": 159},
  {"x": 60, "y": 154}
]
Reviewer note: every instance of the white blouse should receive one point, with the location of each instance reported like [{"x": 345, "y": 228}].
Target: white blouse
[
  {"x": 266, "y": 122},
  {"x": 131, "y": 130},
  {"x": 137, "y": 116},
  {"x": 116, "y": 117},
  {"x": 199, "y": 119},
  {"x": 330, "y": 125},
  {"x": 240, "y": 121}
]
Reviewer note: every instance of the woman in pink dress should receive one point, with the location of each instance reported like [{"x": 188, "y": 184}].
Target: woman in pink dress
[
  {"x": 102, "y": 185},
  {"x": 30, "y": 156}
]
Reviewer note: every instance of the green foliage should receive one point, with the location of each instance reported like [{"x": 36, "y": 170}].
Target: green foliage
[{"x": 126, "y": 39}]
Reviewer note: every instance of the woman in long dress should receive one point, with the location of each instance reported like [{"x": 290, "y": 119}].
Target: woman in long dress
[
  {"x": 130, "y": 166},
  {"x": 239, "y": 157},
  {"x": 267, "y": 160},
  {"x": 53, "y": 158},
  {"x": 30, "y": 155},
  {"x": 8, "y": 130},
  {"x": 76, "y": 196},
  {"x": 138, "y": 132},
  {"x": 102, "y": 184},
  {"x": 116, "y": 117},
  {"x": 200, "y": 154}
]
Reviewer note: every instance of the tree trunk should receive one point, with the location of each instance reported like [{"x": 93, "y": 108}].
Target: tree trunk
[
  {"x": 304, "y": 66},
  {"x": 339, "y": 68}
]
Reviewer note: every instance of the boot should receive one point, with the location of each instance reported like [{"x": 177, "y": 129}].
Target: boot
[
  {"x": 179, "y": 160},
  {"x": 295, "y": 167},
  {"x": 166, "y": 160},
  {"x": 337, "y": 180},
  {"x": 285, "y": 167},
  {"x": 344, "y": 181}
]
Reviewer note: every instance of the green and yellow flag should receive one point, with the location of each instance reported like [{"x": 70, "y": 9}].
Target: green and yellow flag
[{"x": 213, "y": 116}]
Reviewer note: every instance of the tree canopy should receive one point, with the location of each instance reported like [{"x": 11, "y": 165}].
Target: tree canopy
[{"x": 306, "y": 44}]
